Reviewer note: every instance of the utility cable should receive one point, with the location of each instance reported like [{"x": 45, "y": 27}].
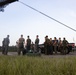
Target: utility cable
[{"x": 48, "y": 16}]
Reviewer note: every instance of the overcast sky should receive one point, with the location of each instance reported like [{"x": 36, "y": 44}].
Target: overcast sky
[{"x": 18, "y": 19}]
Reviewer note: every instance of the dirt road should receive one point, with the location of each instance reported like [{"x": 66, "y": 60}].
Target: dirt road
[{"x": 54, "y": 55}]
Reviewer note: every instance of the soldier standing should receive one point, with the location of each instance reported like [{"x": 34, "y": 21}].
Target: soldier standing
[
  {"x": 64, "y": 43},
  {"x": 37, "y": 44},
  {"x": 60, "y": 45},
  {"x": 47, "y": 45},
  {"x": 28, "y": 43},
  {"x": 21, "y": 44},
  {"x": 55, "y": 43},
  {"x": 6, "y": 42}
]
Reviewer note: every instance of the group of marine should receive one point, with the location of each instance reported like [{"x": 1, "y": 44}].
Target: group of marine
[
  {"x": 55, "y": 45},
  {"x": 50, "y": 46}
]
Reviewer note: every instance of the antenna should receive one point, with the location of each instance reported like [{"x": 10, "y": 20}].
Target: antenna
[{"x": 48, "y": 16}]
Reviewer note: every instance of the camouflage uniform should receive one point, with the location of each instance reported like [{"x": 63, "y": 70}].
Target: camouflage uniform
[
  {"x": 47, "y": 45},
  {"x": 64, "y": 43},
  {"x": 37, "y": 44},
  {"x": 55, "y": 44},
  {"x": 21, "y": 45},
  {"x": 28, "y": 46},
  {"x": 6, "y": 42},
  {"x": 60, "y": 45}
]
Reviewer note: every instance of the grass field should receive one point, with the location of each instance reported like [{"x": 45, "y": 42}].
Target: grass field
[{"x": 26, "y": 65}]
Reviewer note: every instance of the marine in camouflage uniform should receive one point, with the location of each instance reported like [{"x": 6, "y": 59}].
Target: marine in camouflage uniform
[
  {"x": 60, "y": 45},
  {"x": 47, "y": 45},
  {"x": 28, "y": 45},
  {"x": 64, "y": 43},
  {"x": 21, "y": 44},
  {"x": 55, "y": 44},
  {"x": 37, "y": 44},
  {"x": 5, "y": 43}
]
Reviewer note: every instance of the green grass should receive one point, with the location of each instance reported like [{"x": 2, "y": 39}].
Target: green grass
[{"x": 26, "y": 65}]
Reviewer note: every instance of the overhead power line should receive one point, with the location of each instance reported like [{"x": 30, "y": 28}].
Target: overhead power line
[{"x": 48, "y": 16}]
